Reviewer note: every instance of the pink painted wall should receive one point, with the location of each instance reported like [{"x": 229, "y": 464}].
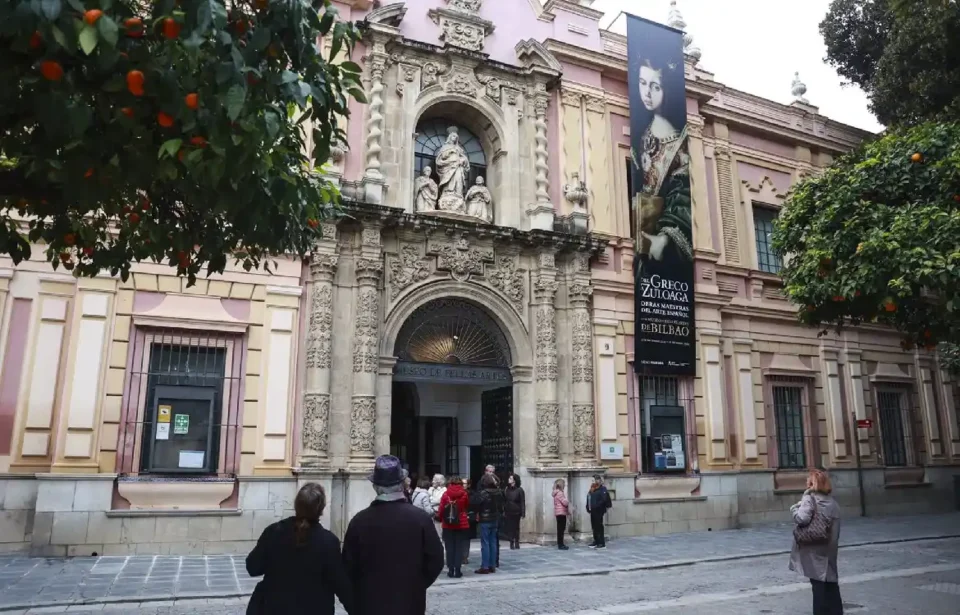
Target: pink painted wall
[
  {"x": 581, "y": 74},
  {"x": 614, "y": 86},
  {"x": 753, "y": 175},
  {"x": 353, "y": 164},
  {"x": 764, "y": 145},
  {"x": 617, "y": 124},
  {"x": 13, "y": 358}
]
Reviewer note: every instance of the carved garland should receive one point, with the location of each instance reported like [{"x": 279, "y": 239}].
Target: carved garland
[
  {"x": 548, "y": 428},
  {"x": 546, "y": 367},
  {"x": 582, "y": 364},
  {"x": 316, "y": 418},
  {"x": 365, "y": 333},
  {"x": 584, "y": 438}
]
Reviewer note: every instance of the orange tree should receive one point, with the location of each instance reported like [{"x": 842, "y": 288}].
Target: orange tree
[
  {"x": 171, "y": 131},
  {"x": 876, "y": 237}
]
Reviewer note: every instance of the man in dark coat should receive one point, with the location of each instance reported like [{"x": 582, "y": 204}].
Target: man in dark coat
[{"x": 391, "y": 550}]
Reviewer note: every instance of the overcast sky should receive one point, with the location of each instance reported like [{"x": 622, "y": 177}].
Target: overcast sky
[{"x": 756, "y": 45}]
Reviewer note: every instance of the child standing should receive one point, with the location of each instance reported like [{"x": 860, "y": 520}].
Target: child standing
[{"x": 561, "y": 508}]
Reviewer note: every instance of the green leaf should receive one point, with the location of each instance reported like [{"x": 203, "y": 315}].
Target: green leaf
[
  {"x": 358, "y": 94},
  {"x": 77, "y": 5},
  {"x": 272, "y": 123},
  {"x": 235, "y": 98},
  {"x": 352, "y": 67},
  {"x": 169, "y": 148},
  {"x": 51, "y": 8},
  {"x": 326, "y": 22},
  {"x": 108, "y": 30},
  {"x": 88, "y": 39},
  {"x": 59, "y": 36},
  {"x": 259, "y": 40},
  {"x": 288, "y": 77}
]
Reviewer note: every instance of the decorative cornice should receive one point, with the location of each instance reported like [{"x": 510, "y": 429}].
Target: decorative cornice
[{"x": 567, "y": 6}]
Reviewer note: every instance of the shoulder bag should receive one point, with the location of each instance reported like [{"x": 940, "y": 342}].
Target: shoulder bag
[{"x": 816, "y": 532}]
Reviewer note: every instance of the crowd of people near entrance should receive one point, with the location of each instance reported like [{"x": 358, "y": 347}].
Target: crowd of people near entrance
[{"x": 399, "y": 545}]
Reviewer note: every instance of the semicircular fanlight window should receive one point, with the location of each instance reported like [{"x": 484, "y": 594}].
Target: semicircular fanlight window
[{"x": 452, "y": 332}]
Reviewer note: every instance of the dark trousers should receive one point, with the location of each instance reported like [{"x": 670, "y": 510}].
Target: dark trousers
[
  {"x": 511, "y": 527},
  {"x": 454, "y": 543},
  {"x": 826, "y": 598},
  {"x": 561, "y": 529},
  {"x": 596, "y": 522}
]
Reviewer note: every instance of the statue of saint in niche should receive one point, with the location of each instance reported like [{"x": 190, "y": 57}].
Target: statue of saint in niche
[
  {"x": 479, "y": 200},
  {"x": 453, "y": 166},
  {"x": 425, "y": 191}
]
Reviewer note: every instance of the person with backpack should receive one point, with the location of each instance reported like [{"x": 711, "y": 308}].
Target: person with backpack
[
  {"x": 598, "y": 502},
  {"x": 454, "y": 505}
]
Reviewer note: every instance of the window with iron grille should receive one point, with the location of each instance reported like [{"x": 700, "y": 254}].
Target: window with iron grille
[
  {"x": 665, "y": 403},
  {"x": 182, "y": 404},
  {"x": 890, "y": 408},
  {"x": 763, "y": 219},
  {"x": 788, "y": 422}
]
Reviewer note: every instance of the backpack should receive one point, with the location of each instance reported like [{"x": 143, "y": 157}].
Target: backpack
[{"x": 451, "y": 513}]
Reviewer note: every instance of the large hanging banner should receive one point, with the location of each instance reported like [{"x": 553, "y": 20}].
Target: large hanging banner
[{"x": 663, "y": 266}]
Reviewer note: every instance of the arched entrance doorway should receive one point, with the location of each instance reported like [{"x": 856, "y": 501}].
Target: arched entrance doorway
[{"x": 452, "y": 398}]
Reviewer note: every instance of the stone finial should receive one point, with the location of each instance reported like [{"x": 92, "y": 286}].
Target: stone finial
[
  {"x": 676, "y": 21},
  {"x": 798, "y": 89}
]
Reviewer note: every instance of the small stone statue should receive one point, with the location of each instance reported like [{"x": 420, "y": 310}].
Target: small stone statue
[
  {"x": 479, "y": 200},
  {"x": 453, "y": 166},
  {"x": 425, "y": 191}
]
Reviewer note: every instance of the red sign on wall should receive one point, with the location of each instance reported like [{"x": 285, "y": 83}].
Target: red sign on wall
[{"x": 864, "y": 423}]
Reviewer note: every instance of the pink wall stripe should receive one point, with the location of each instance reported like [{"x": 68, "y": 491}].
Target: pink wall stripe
[{"x": 13, "y": 360}]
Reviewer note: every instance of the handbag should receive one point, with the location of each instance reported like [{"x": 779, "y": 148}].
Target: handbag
[{"x": 816, "y": 532}]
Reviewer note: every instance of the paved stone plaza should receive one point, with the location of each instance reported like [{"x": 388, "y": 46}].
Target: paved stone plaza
[{"x": 122, "y": 583}]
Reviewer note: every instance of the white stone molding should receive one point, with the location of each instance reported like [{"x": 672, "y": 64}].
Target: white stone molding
[{"x": 832, "y": 401}]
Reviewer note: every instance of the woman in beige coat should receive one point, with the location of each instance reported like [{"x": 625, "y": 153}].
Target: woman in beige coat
[{"x": 818, "y": 562}]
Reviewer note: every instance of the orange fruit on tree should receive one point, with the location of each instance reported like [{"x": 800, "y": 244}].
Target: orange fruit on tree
[
  {"x": 135, "y": 80},
  {"x": 134, "y": 218},
  {"x": 65, "y": 256},
  {"x": 92, "y": 16},
  {"x": 181, "y": 155},
  {"x": 36, "y": 40},
  {"x": 241, "y": 26},
  {"x": 88, "y": 251},
  {"x": 313, "y": 222},
  {"x": 171, "y": 29},
  {"x": 890, "y": 306},
  {"x": 191, "y": 100},
  {"x": 69, "y": 239},
  {"x": 127, "y": 111},
  {"x": 198, "y": 141},
  {"x": 51, "y": 70},
  {"x": 165, "y": 120},
  {"x": 89, "y": 173},
  {"x": 917, "y": 157}
]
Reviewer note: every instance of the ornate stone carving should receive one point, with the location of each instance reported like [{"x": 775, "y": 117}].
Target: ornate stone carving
[
  {"x": 406, "y": 269},
  {"x": 470, "y": 6},
  {"x": 461, "y": 83},
  {"x": 492, "y": 87},
  {"x": 363, "y": 416},
  {"x": 461, "y": 259},
  {"x": 546, "y": 367},
  {"x": 582, "y": 360},
  {"x": 798, "y": 89},
  {"x": 570, "y": 98},
  {"x": 366, "y": 338},
  {"x": 596, "y": 104},
  {"x": 508, "y": 280},
  {"x": 320, "y": 330},
  {"x": 316, "y": 418},
  {"x": 548, "y": 428},
  {"x": 584, "y": 430},
  {"x": 377, "y": 65},
  {"x": 328, "y": 230},
  {"x": 512, "y": 96},
  {"x": 453, "y": 168},
  {"x": 369, "y": 270},
  {"x": 541, "y": 164},
  {"x": 462, "y": 34},
  {"x": 547, "y": 260},
  {"x": 371, "y": 237},
  {"x": 576, "y": 192},
  {"x": 409, "y": 73},
  {"x": 545, "y": 287},
  {"x": 430, "y": 75},
  {"x": 479, "y": 201}
]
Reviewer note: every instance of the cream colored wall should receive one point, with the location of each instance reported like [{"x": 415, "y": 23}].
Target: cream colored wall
[{"x": 70, "y": 399}]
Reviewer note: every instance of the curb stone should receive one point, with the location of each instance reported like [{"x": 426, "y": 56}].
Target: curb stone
[{"x": 188, "y": 597}]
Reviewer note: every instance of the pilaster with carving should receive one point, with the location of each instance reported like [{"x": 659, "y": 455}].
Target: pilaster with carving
[
  {"x": 545, "y": 369},
  {"x": 542, "y": 211},
  {"x": 583, "y": 419},
  {"x": 372, "y": 176},
  {"x": 315, "y": 419},
  {"x": 368, "y": 269}
]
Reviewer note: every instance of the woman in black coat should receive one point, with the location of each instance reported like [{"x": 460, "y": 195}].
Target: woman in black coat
[
  {"x": 300, "y": 563},
  {"x": 514, "y": 509}
]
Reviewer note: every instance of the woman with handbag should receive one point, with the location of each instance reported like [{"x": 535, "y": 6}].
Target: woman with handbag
[
  {"x": 816, "y": 538},
  {"x": 300, "y": 563}
]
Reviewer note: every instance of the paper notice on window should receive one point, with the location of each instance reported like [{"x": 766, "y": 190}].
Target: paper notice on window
[
  {"x": 163, "y": 431},
  {"x": 191, "y": 460},
  {"x": 163, "y": 414}
]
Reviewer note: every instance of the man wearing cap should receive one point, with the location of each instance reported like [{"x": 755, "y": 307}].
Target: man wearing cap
[{"x": 391, "y": 549}]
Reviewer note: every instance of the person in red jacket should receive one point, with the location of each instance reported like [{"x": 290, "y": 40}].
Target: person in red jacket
[{"x": 456, "y": 526}]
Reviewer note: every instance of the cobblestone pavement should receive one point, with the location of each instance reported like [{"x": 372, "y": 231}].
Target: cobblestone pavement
[
  {"x": 911, "y": 578},
  {"x": 26, "y": 582}
]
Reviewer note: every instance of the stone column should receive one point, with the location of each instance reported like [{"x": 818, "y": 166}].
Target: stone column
[
  {"x": 372, "y": 176},
  {"x": 579, "y": 293},
  {"x": 366, "y": 350},
  {"x": 548, "y": 409},
  {"x": 315, "y": 427},
  {"x": 542, "y": 212}
]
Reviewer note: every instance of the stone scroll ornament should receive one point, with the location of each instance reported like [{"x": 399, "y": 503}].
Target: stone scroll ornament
[
  {"x": 363, "y": 416},
  {"x": 584, "y": 438},
  {"x": 316, "y": 415},
  {"x": 548, "y": 428}
]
